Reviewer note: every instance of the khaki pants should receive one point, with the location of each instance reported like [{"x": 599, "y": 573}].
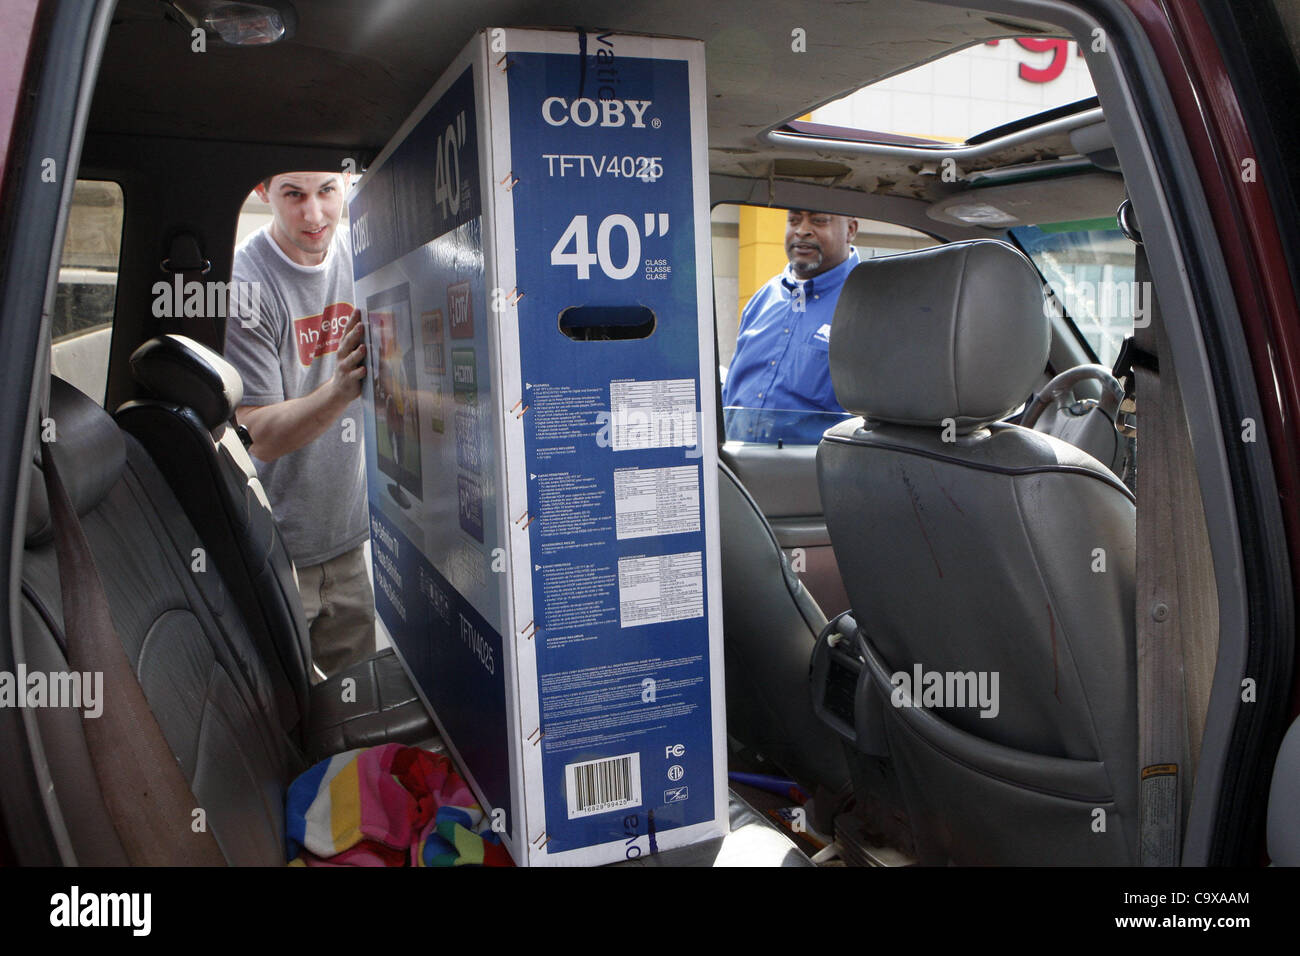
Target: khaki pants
[{"x": 340, "y": 608}]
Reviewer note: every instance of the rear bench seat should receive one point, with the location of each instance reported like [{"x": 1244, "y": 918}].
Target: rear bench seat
[{"x": 210, "y": 681}]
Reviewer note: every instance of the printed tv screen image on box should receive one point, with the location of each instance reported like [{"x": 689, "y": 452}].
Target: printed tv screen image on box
[{"x": 392, "y": 369}]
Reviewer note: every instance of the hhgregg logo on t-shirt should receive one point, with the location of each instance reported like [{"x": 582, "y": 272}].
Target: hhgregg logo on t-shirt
[{"x": 319, "y": 335}]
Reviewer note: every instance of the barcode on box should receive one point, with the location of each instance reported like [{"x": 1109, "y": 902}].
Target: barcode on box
[{"x": 598, "y": 786}]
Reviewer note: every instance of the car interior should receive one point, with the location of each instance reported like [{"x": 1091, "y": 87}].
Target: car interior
[{"x": 980, "y": 507}]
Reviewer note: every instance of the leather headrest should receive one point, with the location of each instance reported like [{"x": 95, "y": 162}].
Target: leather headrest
[
  {"x": 952, "y": 332},
  {"x": 87, "y": 447},
  {"x": 178, "y": 369}
]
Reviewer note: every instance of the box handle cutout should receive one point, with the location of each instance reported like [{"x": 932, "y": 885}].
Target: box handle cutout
[{"x": 607, "y": 323}]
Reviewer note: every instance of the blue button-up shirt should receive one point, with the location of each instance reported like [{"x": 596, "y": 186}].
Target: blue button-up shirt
[{"x": 782, "y": 358}]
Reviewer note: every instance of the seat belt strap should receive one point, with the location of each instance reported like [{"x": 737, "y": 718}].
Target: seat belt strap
[
  {"x": 186, "y": 264},
  {"x": 147, "y": 796},
  {"x": 1162, "y": 707}
]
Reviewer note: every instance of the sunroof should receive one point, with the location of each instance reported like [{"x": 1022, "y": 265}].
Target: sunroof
[{"x": 973, "y": 89}]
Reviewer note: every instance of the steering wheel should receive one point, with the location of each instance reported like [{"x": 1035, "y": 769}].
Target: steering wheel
[{"x": 1060, "y": 392}]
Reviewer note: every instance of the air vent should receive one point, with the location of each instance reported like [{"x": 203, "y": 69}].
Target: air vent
[{"x": 841, "y": 688}]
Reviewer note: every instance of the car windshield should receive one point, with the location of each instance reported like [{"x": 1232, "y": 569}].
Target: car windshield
[{"x": 1089, "y": 267}]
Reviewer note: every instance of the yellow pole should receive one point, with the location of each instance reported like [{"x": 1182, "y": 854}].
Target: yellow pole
[{"x": 762, "y": 250}]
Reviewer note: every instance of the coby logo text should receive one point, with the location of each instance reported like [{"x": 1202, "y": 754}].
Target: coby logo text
[{"x": 558, "y": 111}]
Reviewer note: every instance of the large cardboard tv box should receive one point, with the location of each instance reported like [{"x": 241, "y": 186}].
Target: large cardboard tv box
[{"x": 532, "y": 260}]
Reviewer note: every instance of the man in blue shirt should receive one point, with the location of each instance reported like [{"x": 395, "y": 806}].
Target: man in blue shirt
[{"x": 782, "y": 350}]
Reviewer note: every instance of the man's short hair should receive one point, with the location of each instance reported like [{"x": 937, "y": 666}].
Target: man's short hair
[{"x": 266, "y": 183}]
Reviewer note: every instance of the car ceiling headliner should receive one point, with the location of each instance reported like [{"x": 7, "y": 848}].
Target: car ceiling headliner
[{"x": 355, "y": 70}]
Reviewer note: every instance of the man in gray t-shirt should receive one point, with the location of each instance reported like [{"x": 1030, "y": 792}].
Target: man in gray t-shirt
[{"x": 298, "y": 347}]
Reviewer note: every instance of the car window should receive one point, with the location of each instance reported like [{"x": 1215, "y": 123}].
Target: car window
[
  {"x": 749, "y": 256},
  {"x": 1089, "y": 266},
  {"x": 87, "y": 286}
]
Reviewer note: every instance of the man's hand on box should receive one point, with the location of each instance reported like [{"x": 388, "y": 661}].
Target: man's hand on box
[{"x": 350, "y": 367}]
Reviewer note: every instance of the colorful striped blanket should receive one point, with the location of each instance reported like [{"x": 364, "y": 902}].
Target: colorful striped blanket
[{"x": 387, "y": 806}]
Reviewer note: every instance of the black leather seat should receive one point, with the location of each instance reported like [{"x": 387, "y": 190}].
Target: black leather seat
[
  {"x": 182, "y": 631},
  {"x": 970, "y": 547},
  {"x": 771, "y": 625},
  {"x": 205, "y": 677},
  {"x": 186, "y": 429},
  {"x": 1284, "y": 802}
]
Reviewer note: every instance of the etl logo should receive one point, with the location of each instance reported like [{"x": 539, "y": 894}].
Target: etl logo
[
  {"x": 674, "y": 750},
  {"x": 557, "y": 111}
]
